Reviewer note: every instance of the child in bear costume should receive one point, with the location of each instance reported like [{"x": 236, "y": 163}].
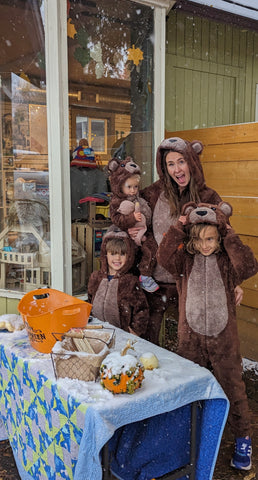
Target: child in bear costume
[
  {"x": 115, "y": 292},
  {"x": 208, "y": 260},
  {"x": 129, "y": 211}
]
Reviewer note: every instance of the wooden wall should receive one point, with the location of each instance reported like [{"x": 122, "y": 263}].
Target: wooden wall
[
  {"x": 211, "y": 72},
  {"x": 230, "y": 163}
]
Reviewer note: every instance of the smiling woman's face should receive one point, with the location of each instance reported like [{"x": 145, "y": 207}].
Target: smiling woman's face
[{"x": 178, "y": 169}]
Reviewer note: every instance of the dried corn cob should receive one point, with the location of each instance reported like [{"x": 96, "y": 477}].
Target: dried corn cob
[{"x": 83, "y": 345}]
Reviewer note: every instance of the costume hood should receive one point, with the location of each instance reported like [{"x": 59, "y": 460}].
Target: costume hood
[
  {"x": 119, "y": 171},
  {"x": 190, "y": 151},
  {"x": 115, "y": 232},
  {"x": 206, "y": 213}
]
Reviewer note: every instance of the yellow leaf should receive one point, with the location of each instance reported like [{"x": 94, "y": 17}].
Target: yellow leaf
[
  {"x": 71, "y": 30},
  {"x": 135, "y": 54}
]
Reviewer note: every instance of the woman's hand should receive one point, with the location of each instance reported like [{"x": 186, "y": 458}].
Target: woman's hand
[{"x": 239, "y": 293}]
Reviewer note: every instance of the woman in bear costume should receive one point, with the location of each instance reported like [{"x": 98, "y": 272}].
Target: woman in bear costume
[
  {"x": 118, "y": 299},
  {"x": 181, "y": 180},
  {"x": 208, "y": 260}
]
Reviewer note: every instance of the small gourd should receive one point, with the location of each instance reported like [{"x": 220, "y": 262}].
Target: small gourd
[
  {"x": 149, "y": 361},
  {"x": 121, "y": 372}
]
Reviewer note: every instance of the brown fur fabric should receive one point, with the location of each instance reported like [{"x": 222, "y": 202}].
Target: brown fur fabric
[
  {"x": 119, "y": 171},
  {"x": 207, "y": 329},
  {"x": 121, "y": 300},
  {"x": 162, "y": 218}
]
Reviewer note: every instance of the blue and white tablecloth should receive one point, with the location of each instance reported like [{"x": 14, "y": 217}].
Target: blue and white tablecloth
[{"x": 58, "y": 428}]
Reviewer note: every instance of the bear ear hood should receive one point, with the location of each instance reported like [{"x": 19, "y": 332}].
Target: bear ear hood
[
  {"x": 115, "y": 232},
  {"x": 118, "y": 171},
  {"x": 207, "y": 213},
  {"x": 190, "y": 151}
]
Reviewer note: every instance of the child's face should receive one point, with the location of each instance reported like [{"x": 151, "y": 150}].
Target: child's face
[
  {"x": 207, "y": 242},
  {"x": 131, "y": 186},
  {"x": 115, "y": 261}
]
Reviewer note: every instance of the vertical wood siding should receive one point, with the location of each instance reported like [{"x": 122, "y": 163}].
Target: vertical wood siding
[{"x": 211, "y": 73}]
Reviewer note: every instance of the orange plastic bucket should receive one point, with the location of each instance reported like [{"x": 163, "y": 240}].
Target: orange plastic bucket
[{"x": 46, "y": 311}]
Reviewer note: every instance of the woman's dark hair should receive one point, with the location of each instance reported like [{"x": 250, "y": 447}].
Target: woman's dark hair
[{"x": 171, "y": 189}]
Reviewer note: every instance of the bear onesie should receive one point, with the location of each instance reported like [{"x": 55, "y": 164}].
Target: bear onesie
[
  {"x": 122, "y": 208},
  {"x": 119, "y": 301},
  {"x": 207, "y": 327},
  {"x": 162, "y": 219}
]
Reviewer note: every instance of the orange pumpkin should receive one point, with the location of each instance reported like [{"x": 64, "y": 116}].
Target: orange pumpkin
[{"x": 120, "y": 373}]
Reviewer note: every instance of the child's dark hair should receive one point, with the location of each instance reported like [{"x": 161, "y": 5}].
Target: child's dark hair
[
  {"x": 194, "y": 235},
  {"x": 116, "y": 245}
]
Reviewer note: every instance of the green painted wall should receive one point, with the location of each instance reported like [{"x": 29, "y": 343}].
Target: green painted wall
[
  {"x": 211, "y": 73},
  {"x": 8, "y": 305}
]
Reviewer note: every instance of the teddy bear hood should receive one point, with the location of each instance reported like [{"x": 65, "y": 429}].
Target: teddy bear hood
[
  {"x": 118, "y": 171},
  {"x": 115, "y": 232},
  {"x": 206, "y": 213}
]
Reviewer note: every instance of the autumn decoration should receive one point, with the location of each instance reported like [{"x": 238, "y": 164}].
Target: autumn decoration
[{"x": 121, "y": 372}]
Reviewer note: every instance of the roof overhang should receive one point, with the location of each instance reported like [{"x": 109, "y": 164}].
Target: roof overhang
[
  {"x": 225, "y": 11},
  {"x": 244, "y": 8},
  {"x": 167, "y": 4}
]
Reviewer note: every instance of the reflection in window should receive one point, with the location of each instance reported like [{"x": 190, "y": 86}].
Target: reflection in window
[
  {"x": 45, "y": 279},
  {"x": 24, "y": 182},
  {"x": 95, "y": 130}
]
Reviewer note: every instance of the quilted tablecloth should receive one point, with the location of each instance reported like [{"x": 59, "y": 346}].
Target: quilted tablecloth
[{"x": 57, "y": 428}]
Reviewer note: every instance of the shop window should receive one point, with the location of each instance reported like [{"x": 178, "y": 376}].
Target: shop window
[
  {"x": 24, "y": 182},
  {"x": 110, "y": 69}
]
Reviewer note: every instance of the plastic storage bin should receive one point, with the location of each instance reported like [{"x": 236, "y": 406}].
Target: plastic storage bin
[{"x": 46, "y": 311}]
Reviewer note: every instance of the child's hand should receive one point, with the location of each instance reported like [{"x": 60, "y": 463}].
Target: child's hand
[
  {"x": 133, "y": 232},
  {"x": 182, "y": 219},
  {"x": 138, "y": 216},
  {"x": 131, "y": 331},
  {"x": 239, "y": 293}
]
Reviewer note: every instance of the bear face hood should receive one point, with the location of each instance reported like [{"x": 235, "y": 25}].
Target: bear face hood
[
  {"x": 115, "y": 232},
  {"x": 206, "y": 213},
  {"x": 118, "y": 171},
  {"x": 190, "y": 151}
]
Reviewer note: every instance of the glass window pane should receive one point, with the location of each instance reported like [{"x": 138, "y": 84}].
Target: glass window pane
[
  {"x": 98, "y": 135},
  {"x": 82, "y": 127},
  {"x": 110, "y": 60},
  {"x": 24, "y": 181}
]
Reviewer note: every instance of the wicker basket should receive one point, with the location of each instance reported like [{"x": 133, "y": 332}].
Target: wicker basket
[{"x": 71, "y": 363}]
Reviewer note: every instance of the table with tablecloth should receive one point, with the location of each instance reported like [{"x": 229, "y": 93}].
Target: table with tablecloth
[{"x": 57, "y": 428}]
